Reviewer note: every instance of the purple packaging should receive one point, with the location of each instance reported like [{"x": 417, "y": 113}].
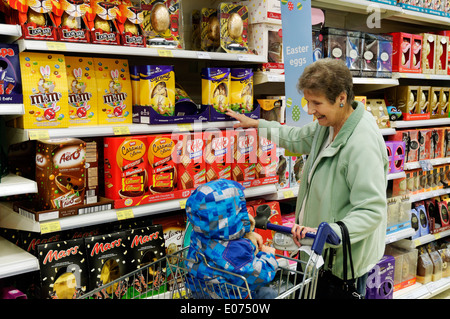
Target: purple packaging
[
  {"x": 10, "y": 78},
  {"x": 384, "y": 65},
  {"x": 380, "y": 281}
]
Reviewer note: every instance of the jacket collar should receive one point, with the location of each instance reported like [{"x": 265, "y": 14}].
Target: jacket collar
[{"x": 349, "y": 125}]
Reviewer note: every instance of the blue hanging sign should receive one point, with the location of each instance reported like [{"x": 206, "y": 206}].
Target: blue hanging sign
[{"x": 297, "y": 51}]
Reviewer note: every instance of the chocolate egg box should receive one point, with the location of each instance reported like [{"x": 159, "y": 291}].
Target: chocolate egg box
[
  {"x": 218, "y": 155},
  {"x": 162, "y": 23},
  {"x": 73, "y": 26},
  {"x": 191, "y": 167},
  {"x": 129, "y": 22},
  {"x": 233, "y": 20},
  {"x": 60, "y": 172},
  {"x": 63, "y": 269},
  {"x": 209, "y": 29},
  {"x": 101, "y": 20}
]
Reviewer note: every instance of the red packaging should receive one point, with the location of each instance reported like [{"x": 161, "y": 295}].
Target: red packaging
[
  {"x": 218, "y": 154},
  {"x": 401, "y": 52},
  {"x": 191, "y": 166},
  {"x": 162, "y": 158},
  {"x": 424, "y": 138},
  {"x": 267, "y": 158},
  {"x": 245, "y": 155},
  {"x": 126, "y": 167},
  {"x": 416, "y": 53}
]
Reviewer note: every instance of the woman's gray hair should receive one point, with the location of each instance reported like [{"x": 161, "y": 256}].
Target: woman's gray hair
[{"x": 329, "y": 77}]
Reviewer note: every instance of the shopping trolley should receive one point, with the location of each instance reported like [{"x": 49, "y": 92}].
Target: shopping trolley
[{"x": 169, "y": 277}]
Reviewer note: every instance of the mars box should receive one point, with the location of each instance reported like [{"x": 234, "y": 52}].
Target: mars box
[
  {"x": 63, "y": 269},
  {"x": 107, "y": 261}
]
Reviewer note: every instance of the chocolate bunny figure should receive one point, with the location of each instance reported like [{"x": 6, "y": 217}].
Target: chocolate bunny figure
[{"x": 45, "y": 85}]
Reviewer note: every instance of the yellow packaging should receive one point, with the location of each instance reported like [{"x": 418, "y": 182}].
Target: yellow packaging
[
  {"x": 241, "y": 92},
  {"x": 157, "y": 88},
  {"x": 44, "y": 84},
  {"x": 216, "y": 88},
  {"x": 82, "y": 87},
  {"x": 113, "y": 91}
]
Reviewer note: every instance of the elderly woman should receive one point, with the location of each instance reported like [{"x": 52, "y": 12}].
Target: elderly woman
[{"x": 344, "y": 177}]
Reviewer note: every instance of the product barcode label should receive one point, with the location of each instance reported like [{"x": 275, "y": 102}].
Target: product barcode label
[{"x": 94, "y": 209}]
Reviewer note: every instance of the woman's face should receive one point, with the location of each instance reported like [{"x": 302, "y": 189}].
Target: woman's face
[{"x": 327, "y": 114}]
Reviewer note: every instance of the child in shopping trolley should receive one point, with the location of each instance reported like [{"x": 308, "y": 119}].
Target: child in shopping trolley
[{"x": 218, "y": 214}]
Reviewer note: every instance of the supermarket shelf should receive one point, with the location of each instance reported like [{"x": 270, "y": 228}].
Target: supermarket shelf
[
  {"x": 434, "y": 193},
  {"x": 423, "y": 291},
  {"x": 11, "y": 219},
  {"x": 420, "y": 76},
  {"x": 396, "y": 175},
  {"x": 116, "y": 50},
  {"x": 434, "y": 162},
  {"x": 284, "y": 194},
  {"x": 14, "y": 185},
  {"x": 10, "y": 30},
  {"x": 120, "y": 129},
  {"x": 421, "y": 123},
  {"x": 12, "y": 109},
  {"x": 14, "y": 260},
  {"x": 399, "y": 235}
]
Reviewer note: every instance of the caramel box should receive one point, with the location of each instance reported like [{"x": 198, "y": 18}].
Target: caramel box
[
  {"x": 245, "y": 155},
  {"x": 60, "y": 172},
  {"x": 162, "y": 157},
  {"x": 126, "y": 166},
  {"x": 82, "y": 87},
  {"x": 191, "y": 167},
  {"x": 44, "y": 89},
  {"x": 218, "y": 154},
  {"x": 113, "y": 91}
]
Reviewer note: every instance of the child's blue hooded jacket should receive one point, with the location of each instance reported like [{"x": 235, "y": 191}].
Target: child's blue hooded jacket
[{"x": 218, "y": 213}]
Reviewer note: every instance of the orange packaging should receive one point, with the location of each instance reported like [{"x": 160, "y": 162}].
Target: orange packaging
[
  {"x": 162, "y": 155},
  {"x": 126, "y": 167},
  {"x": 191, "y": 165},
  {"x": 218, "y": 154},
  {"x": 245, "y": 155},
  {"x": 267, "y": 158}
]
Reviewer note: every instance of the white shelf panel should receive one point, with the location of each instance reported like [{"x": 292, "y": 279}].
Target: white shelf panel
[
  {"x": 423, "y": 291},
  {"x": 420, "y": 76},
  {"x": 14, "y": 185},
  {"x": 11, "y": 219},
  {"x": 63, "y": 47},
  {"x": 12, "y": 109},
  {"x": 286, "y": 193},
  {"x": 14, "y": 260},
  {"x": 421, "y": 123},
  {"x": 11, "y": 30},
  {"x": 108, "y": 130}
]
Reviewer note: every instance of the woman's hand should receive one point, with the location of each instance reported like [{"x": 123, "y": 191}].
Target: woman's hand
[
  {"x": 244, "y": 121},
  {"x": 299, "y": 232}
]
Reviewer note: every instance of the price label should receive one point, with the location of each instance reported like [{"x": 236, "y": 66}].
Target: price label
[
  {"x": 124, "y": 214},
  {"x": 165, "y": 53},
  {"x": 121, "y": 130},
  {"x": 183, "y": 203},
  {"x": 203, "y": 55},
  {"x": 38, "y": 135},
  {"x": 288, "y": 194},
  {"x": 50, "y": 227},
  {"x": 185, "y": 127},
  {"x": 56, "y": 46}
]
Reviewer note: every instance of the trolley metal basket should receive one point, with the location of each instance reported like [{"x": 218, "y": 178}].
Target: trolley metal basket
[{"x": 169, "y": 277}]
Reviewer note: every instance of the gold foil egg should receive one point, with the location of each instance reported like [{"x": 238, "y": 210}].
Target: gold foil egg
[
  {"x": 160, "y": 18},
  {"x": 35, "y": 17},
  {"x": 235, "y": 26},
  {"x": 70, "y": 22},
  {"x": 214, "y": 29},
  {"x": 131, "y": 27},
  {"x": 101, "y": 24}
]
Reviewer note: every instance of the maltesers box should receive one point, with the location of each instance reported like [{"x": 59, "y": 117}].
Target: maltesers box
[
  {"x": 381, "y": 279},
  {"x": 266, "y": 40},
  {"x": 268, "y": 11},
  {"x": 63, "y": 269},
  {"x": 401, "y": 51}
]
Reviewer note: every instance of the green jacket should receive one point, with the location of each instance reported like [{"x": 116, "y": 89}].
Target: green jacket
[{"x": 348, "y": 183}]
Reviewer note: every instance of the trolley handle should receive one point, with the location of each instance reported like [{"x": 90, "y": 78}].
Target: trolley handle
[{"x": 324, "y": 234}]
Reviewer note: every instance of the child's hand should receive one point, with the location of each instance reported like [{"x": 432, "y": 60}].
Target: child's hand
[{"x": 267, "y": 249}]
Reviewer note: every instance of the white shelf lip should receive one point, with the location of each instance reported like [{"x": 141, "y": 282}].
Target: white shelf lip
[
  {"x": 61, "y": 47},
  {"x": 423, "y": 76},
  {"x": 11, "y": 219},
  {"x": 388, "y": 131},
  {"x": 12, "y": 30},
  {"x": 14, "y": 260},
  {"x": 423, "y": 291},
  {"x": 343, "y": 5},
  {"x": 434, "y": 162},
  {"x": 107, "y": 130},
  {"x": 434, "y": 193},
  {"x": 375, "y": 81},
  {"x": 420, "y": 123},
  {"x": 12, "y": 109},
  {"x": 398, "y": 235},
  {"x": 396, "y": 175},
  {"x": 286, "y": 193},
  {"x": 13, "y": 184}
]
